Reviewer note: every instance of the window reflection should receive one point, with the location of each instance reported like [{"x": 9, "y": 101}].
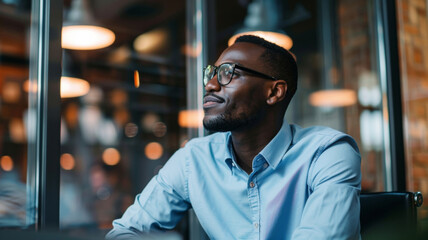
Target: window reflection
[
  {"x": 14, "y": 135},
  {"x": 117, "y": 136}
]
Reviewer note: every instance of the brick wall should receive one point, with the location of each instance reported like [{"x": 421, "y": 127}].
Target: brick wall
[
  {"x": 356, "y": 58},
  {"x": 413, "y": 44}
]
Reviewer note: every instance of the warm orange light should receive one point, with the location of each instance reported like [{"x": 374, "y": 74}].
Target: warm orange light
[
  {"x": 17, "y": 130},
  {"x": 153, "y": 151},
  {"x": 70, "y": 87},
  {"x": 111, "y": 156},
  {"x": 151, "y": 41},
  {"x": 190, "y": 118},
  {"x": 191, "y": 51},
  {"x": 86, "y": 37},
  {"x": 136, "y": 79},
  {"x": 6, "y": 163},
  {"x": 274, "y": 37},
  {"x": 29, "y": 87},
  {"x": 73, "y": 87},
  {"x": 67, "y": 161},
  {"x": 11, "y": 91},
  {"x": 333, "y": 98}
]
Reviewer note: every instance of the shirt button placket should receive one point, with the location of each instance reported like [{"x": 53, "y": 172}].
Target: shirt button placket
[{"x": 255, "y": 205}]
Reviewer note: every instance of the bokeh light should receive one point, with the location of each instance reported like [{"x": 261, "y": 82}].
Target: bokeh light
[
  {"x": 131, "y": 130},
  {"x": 67, "y": 161},
  {"x": 190, "y": 118},
  {"x": 159, "y": 129},
  {"x": 148, "y": 120},
  {"x": 6, "y": 163},
  {"x": 153, "y": 150},
  {"x": 111, "y": 156},
  {"x": 11, "y": 92}
]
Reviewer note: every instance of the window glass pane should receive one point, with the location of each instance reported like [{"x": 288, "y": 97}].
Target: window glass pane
[
  {"x": 15, "y": 116},
  {"x": 120, "y": 113},
  {"x": 413, "y": 44},
  {"x": 335, "y": 46}
]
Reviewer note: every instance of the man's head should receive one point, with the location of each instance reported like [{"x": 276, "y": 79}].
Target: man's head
[{"x": 263, "y": 79}]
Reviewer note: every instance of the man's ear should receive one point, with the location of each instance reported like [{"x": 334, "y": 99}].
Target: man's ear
[{"x": 277, "y": 92}]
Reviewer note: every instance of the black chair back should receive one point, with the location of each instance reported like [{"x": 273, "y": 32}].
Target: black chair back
[{"x": 389, "y": 215}]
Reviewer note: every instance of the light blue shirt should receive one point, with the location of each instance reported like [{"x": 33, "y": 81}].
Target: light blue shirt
[{"x": 305, "y": 185}]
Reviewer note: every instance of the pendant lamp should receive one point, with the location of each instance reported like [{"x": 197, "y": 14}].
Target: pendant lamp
[
  {"x": 262, "y": 20},
  {"x": 81, "y": 32},
  {"x": 333, "y": 93},
  {"x": 72, "y": 85}
]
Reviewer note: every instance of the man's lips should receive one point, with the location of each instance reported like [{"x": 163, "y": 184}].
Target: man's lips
[{"x": 210, "y": 100}]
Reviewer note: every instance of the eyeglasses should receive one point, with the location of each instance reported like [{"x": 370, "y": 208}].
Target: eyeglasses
[{"x": 226, "y": 71}]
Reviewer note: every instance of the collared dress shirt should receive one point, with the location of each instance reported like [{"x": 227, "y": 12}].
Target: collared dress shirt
[{"x": 305, "y": 184}]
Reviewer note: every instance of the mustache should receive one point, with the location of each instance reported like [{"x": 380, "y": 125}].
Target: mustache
[{"x": 215, "y": 96}]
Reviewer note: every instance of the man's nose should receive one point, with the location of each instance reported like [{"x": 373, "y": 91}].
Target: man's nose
[{"x": 213, "y": 85}]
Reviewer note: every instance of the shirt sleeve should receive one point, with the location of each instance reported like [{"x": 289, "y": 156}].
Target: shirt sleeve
[
  {"x": 332, "y": 210},
  {"x": 161, "y": 204}
]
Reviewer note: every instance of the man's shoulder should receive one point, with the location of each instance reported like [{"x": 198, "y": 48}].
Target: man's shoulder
[{"x": 320, "y": 135}]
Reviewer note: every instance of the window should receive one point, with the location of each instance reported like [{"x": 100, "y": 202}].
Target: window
[
  {"x": 117, "y": 134},
  {"x": 17, "y": 132},
  {"x": 335, "y": 44}
]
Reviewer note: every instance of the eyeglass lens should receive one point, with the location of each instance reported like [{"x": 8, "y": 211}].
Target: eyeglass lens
[{"x": 224, "y": 73}]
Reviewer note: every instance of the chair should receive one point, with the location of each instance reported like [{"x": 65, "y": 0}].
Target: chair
[{"x": 389, "y": 215}]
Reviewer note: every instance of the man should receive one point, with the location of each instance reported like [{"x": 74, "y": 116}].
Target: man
[{"x": 259, "y": 177}]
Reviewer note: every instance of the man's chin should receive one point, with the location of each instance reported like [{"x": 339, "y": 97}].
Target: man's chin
[
  {"x": 218, "y": 124},
  {"x": 213, "y": 124}
]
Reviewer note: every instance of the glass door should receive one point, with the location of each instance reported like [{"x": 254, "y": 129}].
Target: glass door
[{"x": 17, "y": 129}]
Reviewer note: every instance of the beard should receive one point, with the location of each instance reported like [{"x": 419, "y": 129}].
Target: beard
[{"x": 228, "y": 122}]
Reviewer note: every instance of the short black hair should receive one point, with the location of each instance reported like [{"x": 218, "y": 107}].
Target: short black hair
[{"x": 280, "y": 62}]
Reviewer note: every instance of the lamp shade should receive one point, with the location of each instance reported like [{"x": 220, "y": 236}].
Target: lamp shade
[
  {"x": 263, "y": 20},
  {"x": 86, "y": 37},
  {"x": 82, "y": 32},
  {"x": 280, "y": 39},
  {"x": 333, "y": 98},
  {"x": 72, "y": 84}
]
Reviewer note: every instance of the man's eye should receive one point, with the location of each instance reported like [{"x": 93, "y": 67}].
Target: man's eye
[{"x": 228, "y": 73}]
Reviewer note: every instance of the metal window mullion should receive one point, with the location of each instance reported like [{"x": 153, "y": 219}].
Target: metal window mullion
[
  {"x": 48, "y": 73},
  {"x": 389, "y": 68},
  {"x": 196, "y": 37}
]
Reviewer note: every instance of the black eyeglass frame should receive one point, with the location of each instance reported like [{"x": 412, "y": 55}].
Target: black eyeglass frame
[{"x": 234, "y": 66}]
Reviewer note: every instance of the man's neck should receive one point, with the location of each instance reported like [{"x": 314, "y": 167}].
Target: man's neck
[{"x": 247, "y": 144}]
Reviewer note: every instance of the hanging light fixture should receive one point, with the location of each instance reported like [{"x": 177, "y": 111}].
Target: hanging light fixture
[
  {"x": 333, "y": 98},
  {"x": 80, "y": 31},
  {"x": 262, "y": 21},
  {"x": 333, "y": 93},
  {"x": 71, "y": 84},
  {"x": 73, "y": 87}
]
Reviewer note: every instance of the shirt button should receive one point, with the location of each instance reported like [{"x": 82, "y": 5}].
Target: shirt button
[
  {"x": 252, "y": 184},
  {"x": 265, "y": 165},
  {"x": 256, "y": 225}
]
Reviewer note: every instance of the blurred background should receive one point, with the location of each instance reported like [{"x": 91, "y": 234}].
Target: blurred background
[{"x": 131, "y": 91}]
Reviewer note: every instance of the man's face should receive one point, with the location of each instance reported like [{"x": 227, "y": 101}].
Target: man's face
[{"x": 242, "y": 102}]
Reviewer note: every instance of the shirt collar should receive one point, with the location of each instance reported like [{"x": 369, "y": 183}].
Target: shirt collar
[
  {"x": 273, "y": 152},
  {"x": 228, "y": 153}
]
